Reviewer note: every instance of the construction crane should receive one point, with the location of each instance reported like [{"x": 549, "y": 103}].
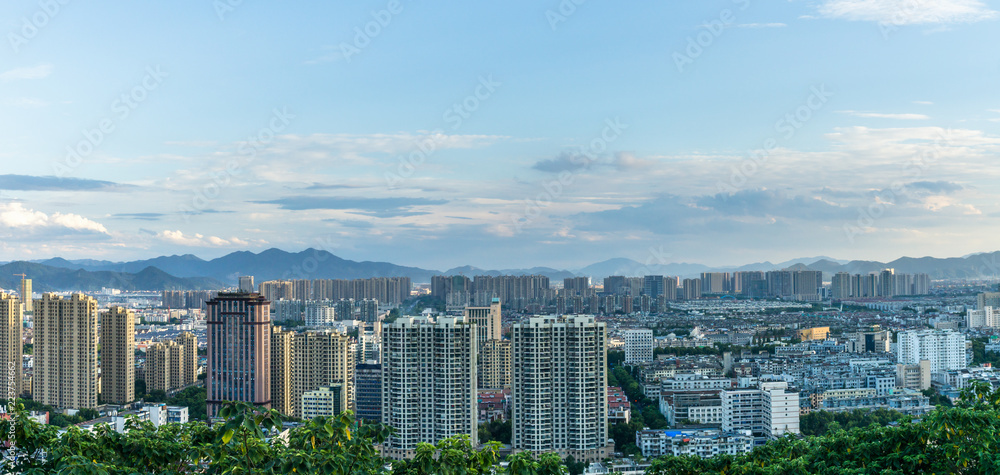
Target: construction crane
[{"x": 23, "y": 276}]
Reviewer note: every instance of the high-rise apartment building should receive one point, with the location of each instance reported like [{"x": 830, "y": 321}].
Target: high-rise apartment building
[
  {"x": 368, "y": 392},
  {"x": 493, "y": 366},
  {"x": 494, "y": 372},
  {"x": 577, "y": 287},
  {"x": 768, "y": 411},
  {"x": 638, "y": 346},
  {"x": 281, "y": 370},
  {"x": 692, "y": 289},
  {"x": 164, "y": 366},
  {"x": 428, "y": 381},
  {"x": 559, "y": 391},
  {"x": 117, "y": 355},
  {"x": 11, "y": 346},
  {"x": 65, "y": 351},
  {"x": 988, "y": 299},
  {"x": 189, "y": 356},
  {"x": 715, "y": 282},
  {"x": 326, "y": 401},
  {"x": 840, "y": 286},
  {"x": 321, "y": 359},
  {"x": 173, "y": 363},
  {"x": 614, "y": 285},
  {"x": 26, "y": 296},
  {"x": 239, "y": 350},
  {"x": 945, "y": 349},
  {"x": 653, "y": 285},
  {"x": 246, "y": 283}
]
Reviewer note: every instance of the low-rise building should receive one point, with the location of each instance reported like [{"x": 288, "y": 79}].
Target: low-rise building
[
  {"x": 619, "y": 408},
  {"x": 703, "y": 443}
]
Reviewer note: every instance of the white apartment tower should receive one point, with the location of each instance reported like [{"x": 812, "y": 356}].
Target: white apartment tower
[
  {"x": 945, "y": 349},
  {"x": 638, "y": 346},
  {"x": 768, "y": 411},
  {"x": 428, "y": 382},
  {"x": 559, "y": 389}
]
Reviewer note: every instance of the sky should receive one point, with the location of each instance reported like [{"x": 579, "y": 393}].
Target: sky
[{"x": 500, "y": 134}]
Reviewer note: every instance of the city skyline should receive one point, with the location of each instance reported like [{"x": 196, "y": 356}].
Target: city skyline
[{"x": 548, "y": 132}]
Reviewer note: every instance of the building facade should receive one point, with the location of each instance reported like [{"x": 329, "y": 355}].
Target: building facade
[
  {"x": 428, "y": 381},
  {"x": 638, "y": 346},
  {"x": 239, "y": 350},
  {"x": 559, "y": 388},
  {"x": 66, "y": 351},
  {"x": 945, "y": 349},
  {"x": 11, "y": 346},
  {"x": 117, "y": 355}
]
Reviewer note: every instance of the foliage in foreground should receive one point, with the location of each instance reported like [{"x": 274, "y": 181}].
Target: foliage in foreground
[{"x": 962, "y": 440}]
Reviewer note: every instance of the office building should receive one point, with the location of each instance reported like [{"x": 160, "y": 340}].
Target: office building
[
  {"x": 117, "y": 355},
  {"x": 428, "y": 382},
  {"x": 559, "y": 389},
  {"x": 638, "y": 346},
  {"x": 945, "y": 349},
  {"x": 239, "y": 350},
  {"x": 368, "y": 392},
  {"x": 65, "y": 351},
  {"x": 653, "y": 285},
  {"x": 11, "y": 347},
  {"x": 246, "y": 283}
]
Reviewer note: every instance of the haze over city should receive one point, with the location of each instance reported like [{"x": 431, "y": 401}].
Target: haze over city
[{"x": 501, "y": 135}]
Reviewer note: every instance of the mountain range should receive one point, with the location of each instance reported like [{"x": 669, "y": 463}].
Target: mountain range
[{"x": 191, "y": 272}]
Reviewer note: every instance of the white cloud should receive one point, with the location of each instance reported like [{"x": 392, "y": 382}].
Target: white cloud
[
  {"x": 908, "y": 12},
  {"x": 199, "y": 240},
  {"x": 20, "y": 219},
  {"x": 762, "y": 25},
  {"x": 877, "y": 115},
  {"x": 34, "y": 72}
]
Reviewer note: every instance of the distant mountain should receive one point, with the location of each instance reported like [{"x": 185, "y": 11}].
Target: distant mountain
[
  {"x": 316, "y": 264},
  {"x": 47, "y": 278}
]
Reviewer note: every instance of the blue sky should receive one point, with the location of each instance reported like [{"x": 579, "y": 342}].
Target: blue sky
[{"x": 500, "y": 134}]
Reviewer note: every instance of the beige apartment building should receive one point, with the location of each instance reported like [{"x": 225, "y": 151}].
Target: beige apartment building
[
  {"x": 66, "y": 351},
  {"x": 117, "y": 355},
  {"x": 11, "y": 347}
]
